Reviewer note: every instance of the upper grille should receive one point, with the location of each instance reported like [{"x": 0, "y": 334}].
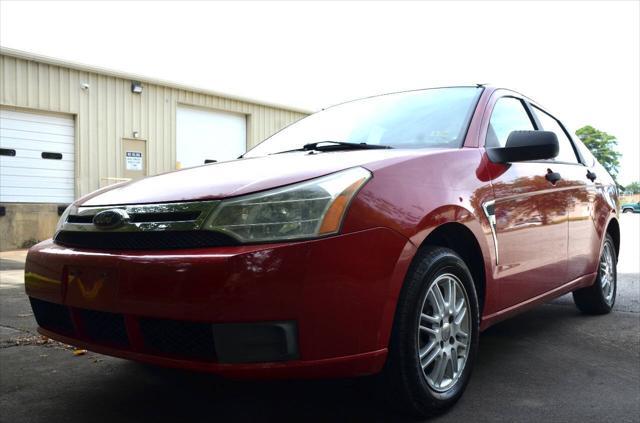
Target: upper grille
[
  {"x": 159, "y": 240},
  {"x": 144, "y": 217},
  {"x": 143, "y": 227},
  {"x": 80, "y": 219}
]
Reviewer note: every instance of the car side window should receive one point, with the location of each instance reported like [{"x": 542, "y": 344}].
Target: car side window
[
  {"x": 508, "y": 115},
  {"x": 587, "y": 157},
  {"x": 566, "y": 153}
]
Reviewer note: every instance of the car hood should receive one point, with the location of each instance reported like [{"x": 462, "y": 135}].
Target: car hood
[{"x": 237, "y": 177}]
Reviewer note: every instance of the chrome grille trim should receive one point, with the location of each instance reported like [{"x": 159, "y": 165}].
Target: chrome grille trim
[{"x": 203, "y": 207}]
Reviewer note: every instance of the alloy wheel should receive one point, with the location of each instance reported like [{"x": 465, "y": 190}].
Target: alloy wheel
[
  {"x": 607, "y": 276},
  {"x": 444, "y": 332}
]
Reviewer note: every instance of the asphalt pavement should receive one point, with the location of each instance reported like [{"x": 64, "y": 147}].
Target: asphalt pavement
[{"x": 550, "y": 364}]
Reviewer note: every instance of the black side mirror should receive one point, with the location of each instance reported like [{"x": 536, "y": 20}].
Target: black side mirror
[{"x": 523, "y": 146}]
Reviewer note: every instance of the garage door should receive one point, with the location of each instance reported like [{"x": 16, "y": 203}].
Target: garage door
[
  {"x": 36, "y": 157},
  {"x": 203, "y": 134}
]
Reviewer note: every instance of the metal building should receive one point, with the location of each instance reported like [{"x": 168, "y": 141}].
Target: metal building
[{"x": 67, "y": 130}]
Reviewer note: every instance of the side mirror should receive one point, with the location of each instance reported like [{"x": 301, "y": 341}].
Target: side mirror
[{"x": 523, "y": 146}]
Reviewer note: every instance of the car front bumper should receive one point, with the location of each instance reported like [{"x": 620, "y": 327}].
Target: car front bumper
[{"x": 319, "y": 308}]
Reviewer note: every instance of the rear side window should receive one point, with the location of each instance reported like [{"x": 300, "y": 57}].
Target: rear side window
[
  {"x": 508, "y": 115},
  {"x": 566, "y": 154},
  {"x": 587, "y": 157}
]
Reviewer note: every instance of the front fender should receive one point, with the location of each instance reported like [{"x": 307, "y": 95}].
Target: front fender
[{"x": 416, "y": 197}]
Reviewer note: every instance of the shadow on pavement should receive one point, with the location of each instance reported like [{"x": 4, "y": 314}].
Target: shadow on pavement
[{"x": 508, "y": 384}]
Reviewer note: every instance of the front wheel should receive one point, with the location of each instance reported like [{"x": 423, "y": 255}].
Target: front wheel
[
  {"x": 435, "y": 335},
  {"x": 626, "y": 210},
  {"x": 600, "y": 297}
]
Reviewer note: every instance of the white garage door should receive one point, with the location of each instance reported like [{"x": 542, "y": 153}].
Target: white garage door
[
  {"x": 36, "y": 157},
  {"x": 203, "y": 134}
]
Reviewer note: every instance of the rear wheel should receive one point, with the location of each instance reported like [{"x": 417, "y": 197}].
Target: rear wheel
[
  {"x": 435, "y": 335},
  {"x": 627, "y": 210},
  {"x": 600, "y": 297}
]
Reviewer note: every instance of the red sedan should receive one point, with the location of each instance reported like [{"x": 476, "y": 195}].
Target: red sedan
[{"x": 377, "y": 236}]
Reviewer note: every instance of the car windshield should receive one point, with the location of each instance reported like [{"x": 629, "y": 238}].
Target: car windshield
[{"x": 433, "y": 118}]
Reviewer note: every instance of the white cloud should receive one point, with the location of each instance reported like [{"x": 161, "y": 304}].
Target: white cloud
[{"x": 580, "y": 59}]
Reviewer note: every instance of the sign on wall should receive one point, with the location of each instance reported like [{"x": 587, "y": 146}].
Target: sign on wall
[
  {"x": 134, "y": 152},
  {"x": 133, "y": 160}
]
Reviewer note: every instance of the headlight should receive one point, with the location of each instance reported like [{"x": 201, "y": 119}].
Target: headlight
[
  {"x": 305, "y": 210},
  {"x": 63, "y": 217}
]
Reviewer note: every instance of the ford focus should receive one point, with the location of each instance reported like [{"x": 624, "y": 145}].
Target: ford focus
[{"x": 376, "y": 237}]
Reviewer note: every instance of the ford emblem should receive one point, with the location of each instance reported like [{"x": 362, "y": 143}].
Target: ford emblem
[{"x": 110, "y": 219}]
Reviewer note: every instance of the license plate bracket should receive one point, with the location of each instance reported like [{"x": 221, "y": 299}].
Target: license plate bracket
[{"x": 90, "y": 287}]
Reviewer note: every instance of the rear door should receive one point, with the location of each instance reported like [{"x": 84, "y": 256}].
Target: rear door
[
  {"x": 578, "y": 184},
  {"x": 531, "y": 226}
]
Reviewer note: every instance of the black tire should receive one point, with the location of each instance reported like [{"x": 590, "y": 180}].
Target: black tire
[
  {"x": 626, "y": 210},
  {"x": 404, "y": 383},
  {"x": 591, "y": 299}
]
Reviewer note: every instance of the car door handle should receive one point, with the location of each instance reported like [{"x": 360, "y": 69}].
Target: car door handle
[
  {"x": 591, "y": 175},
  {"x": 552, "y": 176}
]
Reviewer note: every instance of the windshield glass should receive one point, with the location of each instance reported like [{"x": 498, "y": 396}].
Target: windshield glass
[{"x": 434, "y": 118}]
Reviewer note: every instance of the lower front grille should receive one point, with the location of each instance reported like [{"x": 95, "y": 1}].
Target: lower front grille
[
  {"x": 178, "y": 338},
  {"x": 104, "y": 328},
  {"x": 52, "y": 316},
  {"x": 151, "y": 240}
]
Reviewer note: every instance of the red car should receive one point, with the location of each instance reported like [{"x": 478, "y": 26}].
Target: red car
[{"x": 377, "y": 236}]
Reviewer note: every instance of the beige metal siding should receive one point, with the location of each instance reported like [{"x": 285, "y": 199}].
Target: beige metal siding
[{"x": 108, "y": 111}]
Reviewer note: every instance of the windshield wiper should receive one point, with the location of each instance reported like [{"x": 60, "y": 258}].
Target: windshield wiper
[{"x": 337, "y": 145}]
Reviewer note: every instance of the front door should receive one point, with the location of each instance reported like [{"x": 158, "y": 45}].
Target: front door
[{"x": 530, "y": 212}]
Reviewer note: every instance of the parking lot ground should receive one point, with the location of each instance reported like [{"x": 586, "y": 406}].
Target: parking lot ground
[{"x": 550, "y": 364}]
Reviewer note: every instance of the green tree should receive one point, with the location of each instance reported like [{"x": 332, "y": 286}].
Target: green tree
[
  {"x": 632, "y": 188},
  {"x": 602, "y": 146}
]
